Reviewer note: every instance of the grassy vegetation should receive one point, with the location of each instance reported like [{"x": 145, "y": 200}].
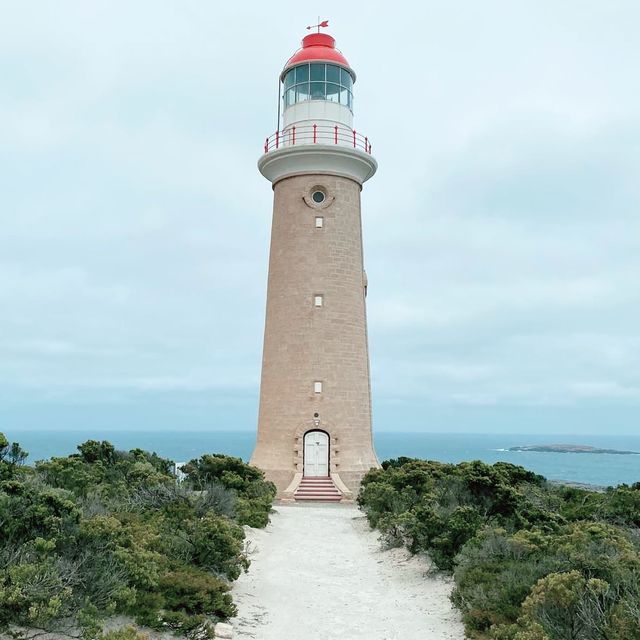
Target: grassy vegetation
[
  {"x": 103, "y": 532},
  {"x": 531, "y": 560}
]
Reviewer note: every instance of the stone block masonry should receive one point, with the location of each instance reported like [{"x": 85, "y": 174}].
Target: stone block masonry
[{"x": 305, "y": 343}]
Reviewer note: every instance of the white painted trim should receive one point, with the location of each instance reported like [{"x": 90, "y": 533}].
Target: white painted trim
[
  {"x": 317, "y": 158},
  {"x": 320, "y": 112}
]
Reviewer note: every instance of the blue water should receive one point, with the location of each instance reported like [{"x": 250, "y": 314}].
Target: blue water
[{"x": 598, "y": 469}]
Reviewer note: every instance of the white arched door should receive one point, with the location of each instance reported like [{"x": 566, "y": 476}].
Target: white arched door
[{"x": 316, "y": 454}]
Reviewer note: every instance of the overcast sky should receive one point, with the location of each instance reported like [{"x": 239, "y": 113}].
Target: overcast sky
[{"x": 502, "y": 230}]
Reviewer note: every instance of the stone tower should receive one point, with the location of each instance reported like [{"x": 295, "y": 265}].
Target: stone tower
[{"x": 314, "y": 426}]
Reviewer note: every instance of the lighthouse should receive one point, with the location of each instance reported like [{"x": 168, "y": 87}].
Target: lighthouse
[{"x": 314, "y": 436}]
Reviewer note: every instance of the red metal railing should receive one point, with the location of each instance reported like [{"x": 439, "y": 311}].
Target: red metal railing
[{"x": 317, "y": 134}]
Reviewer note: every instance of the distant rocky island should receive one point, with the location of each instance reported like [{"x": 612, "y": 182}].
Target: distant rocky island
[{"x": 569, "y": 448}]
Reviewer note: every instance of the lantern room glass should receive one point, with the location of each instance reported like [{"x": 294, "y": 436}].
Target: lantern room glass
[{"x": 318, "y": 81}]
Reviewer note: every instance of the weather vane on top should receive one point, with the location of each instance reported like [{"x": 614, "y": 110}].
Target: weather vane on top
[{"x": 324, "y": 24}]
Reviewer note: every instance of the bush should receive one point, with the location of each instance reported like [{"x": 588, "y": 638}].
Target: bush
[
  {"x": 196, "y": 592},
  {"x": 252, "y": 494},
  {"x": 435, "y": 507},
  {"x": 105, "y": 531},
  {"x": 12, "y": 456},
  {"x": 218, "y": 545},
  {"x": 531, "y": 561},
  {"x": 126, "y": 633},
  {"x": 494, "y": 573}
]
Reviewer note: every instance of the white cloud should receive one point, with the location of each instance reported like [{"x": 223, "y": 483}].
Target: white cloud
[{"x": 502, "y": 239}]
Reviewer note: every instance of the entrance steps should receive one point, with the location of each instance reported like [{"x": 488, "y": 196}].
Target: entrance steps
[{"x": 320, "y": 489}]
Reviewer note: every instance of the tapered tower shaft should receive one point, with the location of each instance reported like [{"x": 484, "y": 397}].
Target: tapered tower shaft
[{"x": 315, "y": 398}]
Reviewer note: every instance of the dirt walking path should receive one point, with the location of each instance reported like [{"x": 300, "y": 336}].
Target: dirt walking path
[{"x": 318, "y": 573}]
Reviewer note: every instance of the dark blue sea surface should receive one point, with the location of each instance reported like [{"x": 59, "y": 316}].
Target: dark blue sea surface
[{"x": 597, "y": 469}]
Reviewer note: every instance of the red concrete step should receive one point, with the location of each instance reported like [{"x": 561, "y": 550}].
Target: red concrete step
[
  {"x": 328, "y": 485},
  {"x": 317, "y": 496},
  {"x": 320, "y": 489}
]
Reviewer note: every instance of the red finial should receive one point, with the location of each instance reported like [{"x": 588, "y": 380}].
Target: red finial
[{"x": 324, "y": 24}]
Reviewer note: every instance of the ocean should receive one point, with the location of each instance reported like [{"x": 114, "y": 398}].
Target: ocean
[{"x": 181, "y": 446}]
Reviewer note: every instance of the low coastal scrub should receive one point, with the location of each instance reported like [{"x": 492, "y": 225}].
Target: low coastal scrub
[
  {"x": 530, "y": 560},
  {"x": 106, "y": 532}
]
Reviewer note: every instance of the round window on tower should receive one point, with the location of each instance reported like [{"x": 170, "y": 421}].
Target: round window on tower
[{"x": 318, "y": 196}]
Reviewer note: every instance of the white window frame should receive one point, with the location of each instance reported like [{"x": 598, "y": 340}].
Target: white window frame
[
  {"x": 317, "y": 386},
  {"x": 319, "y": 222},
  {"x": 318, "y": 300}
]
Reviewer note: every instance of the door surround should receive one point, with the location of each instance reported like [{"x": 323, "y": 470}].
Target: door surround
[{"x": 310, "y": 433}]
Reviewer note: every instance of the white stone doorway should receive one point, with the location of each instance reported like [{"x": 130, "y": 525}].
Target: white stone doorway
[{"x": 316, "y": 454}]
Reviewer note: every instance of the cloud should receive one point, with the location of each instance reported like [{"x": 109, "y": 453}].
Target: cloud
[{"x": 502, "y": 236}]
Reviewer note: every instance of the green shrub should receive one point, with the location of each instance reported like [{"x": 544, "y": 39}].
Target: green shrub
[
  {"x": 436, "y": 507},
  {"x": 567, "y": 605},
  {"x": 253, "y": 495},
  {"x": 218, "y": 545},
  {"x": 12, "y": 456},
  {"x": 126, "y": 633},
  {"x": 217, "y": 498},
  {"x": 196, "y": 592},
  {"x": 232, "y": 472},
  {"x": 531, "y": 561},
  {"x": 103, "y": 532},
  {"x": 494, "y": 573},
  {"x": 29, "y": 510}
]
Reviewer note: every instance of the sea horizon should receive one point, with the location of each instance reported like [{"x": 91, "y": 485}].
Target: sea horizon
[{"x": 184, "y": 445}]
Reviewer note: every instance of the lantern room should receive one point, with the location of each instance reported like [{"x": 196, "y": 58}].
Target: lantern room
[
  {"x": 318, "y": 81},
  {"x": 317, "y": 84},
  {"x": 315, "y": 117}
]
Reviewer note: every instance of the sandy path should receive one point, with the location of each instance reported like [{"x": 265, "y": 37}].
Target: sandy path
[{"x": 318, "y": 573}]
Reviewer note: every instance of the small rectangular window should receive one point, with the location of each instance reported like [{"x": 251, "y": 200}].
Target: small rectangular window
[
  {"x": 302, "y": 73},
  {"x": 302, "y": 92},
  {"x": 289, "y": 97},
  {"x": 345, "y": 79},
  {"x": 317, "y": 71},
  {"x": 317, "y": 387},
  {"x": 319, "y": 222},
  {"x": 333, "y": 73},
  {"x": 333, "y": 92},
  {"x": 290, "y": 78},
  {"x": 318, "y": 299},
  {"x": 317, "y": 90}
]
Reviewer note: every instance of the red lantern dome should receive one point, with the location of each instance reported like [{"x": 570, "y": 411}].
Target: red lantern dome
[{"x": 318, "y": 47}]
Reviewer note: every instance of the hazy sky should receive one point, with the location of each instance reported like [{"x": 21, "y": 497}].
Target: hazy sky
[{"x": 502, "y": 231}]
